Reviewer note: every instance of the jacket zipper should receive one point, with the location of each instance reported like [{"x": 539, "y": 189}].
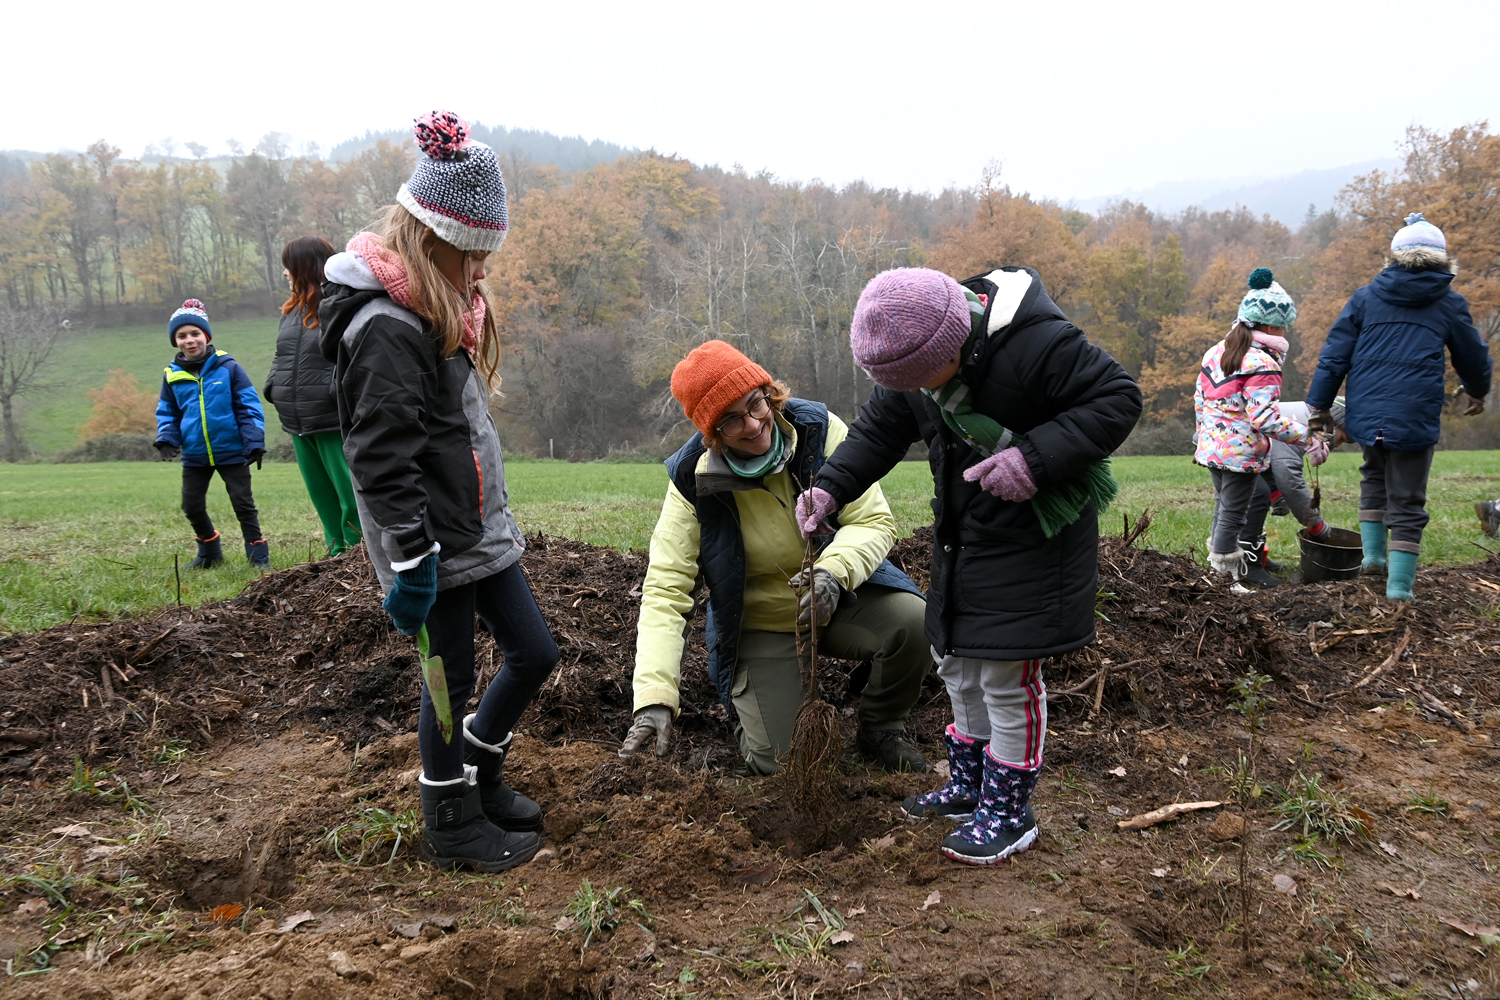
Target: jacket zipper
[{"x": 203, "y": 419}]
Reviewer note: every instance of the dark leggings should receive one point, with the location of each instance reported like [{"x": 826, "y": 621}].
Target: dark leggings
[
  {"x": 195, "y": 480},
  {"x": 505, "y": 604}
]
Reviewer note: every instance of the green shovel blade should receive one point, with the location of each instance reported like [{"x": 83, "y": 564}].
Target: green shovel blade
[{"x": 437, "y": 686}]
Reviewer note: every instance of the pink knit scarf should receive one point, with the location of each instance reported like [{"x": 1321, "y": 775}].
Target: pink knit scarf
[
  {"x": 1266, "y": 340},
  {"x": 390, "y": 270}
]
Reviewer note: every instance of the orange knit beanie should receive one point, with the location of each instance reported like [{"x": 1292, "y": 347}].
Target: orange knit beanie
[{"x": 712, "y": 376}]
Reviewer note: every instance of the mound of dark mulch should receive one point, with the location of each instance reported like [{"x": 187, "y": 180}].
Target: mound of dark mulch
[{"x": 310, "y": 647}]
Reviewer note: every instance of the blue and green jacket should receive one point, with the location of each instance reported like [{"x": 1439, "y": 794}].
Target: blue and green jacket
[{"x": 212, "y": 414}]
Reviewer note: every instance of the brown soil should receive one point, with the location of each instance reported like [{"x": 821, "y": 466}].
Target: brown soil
[{"x": 228, "y": 740}]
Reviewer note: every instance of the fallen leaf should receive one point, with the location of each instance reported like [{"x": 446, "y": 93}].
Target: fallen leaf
[
  {"x": 36, "y": 904},
  {"x": 842, "y": 937},
  {"x": 857, "y": 911},
  {"x": 565, "y": 923},
  {"x": 1163, "y": 814},
  {"x": 102, "y": 851},
  {"x": 1182, "y": 761},
  {"x": 226, "y": 912},
  {"x": 294, "y": 921},
  {"x": 1389, "y": 849},
  {"x": 1408, "y": 893},
  {"x": 1118, "y": 772},
  {"x": 72, "y": 830},
  {"x": 1161, "y": 872},
  {"x": 1285, "y": 883},
  {"x": 881, "y": 843},
  {"x": 1115, "y": 810},
  {"x": 1488, "y": 936},
  {"x": 932, "y": 900}
]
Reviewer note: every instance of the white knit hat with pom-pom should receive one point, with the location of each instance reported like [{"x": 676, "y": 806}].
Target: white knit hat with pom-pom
[{"x": 456, "y": 188}]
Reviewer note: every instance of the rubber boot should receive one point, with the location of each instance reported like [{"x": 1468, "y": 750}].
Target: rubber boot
[
  {"x": 956, "y": 799},
  {"x": 1372, "y": 534},
  {"x": 259, "y": 554},
  {"x": 1401, "y": 575},
  {"x": 506, "y": 808},
  {"x": 210, "y": 553},
  {"x": 1002, "y": 824},
  {"x": 1256, "y": 575},
  {"x": 459, "y": 835}
]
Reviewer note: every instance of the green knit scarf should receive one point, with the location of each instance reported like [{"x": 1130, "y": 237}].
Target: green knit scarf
[{"x": 1057, "y": 505}]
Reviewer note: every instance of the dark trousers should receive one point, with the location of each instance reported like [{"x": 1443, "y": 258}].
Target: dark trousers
[
  {"x": 1393, "y": 489},
  {"x": 1234, "y": 495},
  {"x": 509, "y": 611},
  {"x": 195, "y": 480}
]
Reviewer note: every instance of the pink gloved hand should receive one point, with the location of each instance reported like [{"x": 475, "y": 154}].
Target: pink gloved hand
[
  {"x": 812, "y": 508},
  {"x": 1317, "y": 451},
  {"x": 1004, "y": 474}
]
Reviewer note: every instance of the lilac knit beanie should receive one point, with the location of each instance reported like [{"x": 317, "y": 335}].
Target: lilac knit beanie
[{"x": 908, "y": 325}]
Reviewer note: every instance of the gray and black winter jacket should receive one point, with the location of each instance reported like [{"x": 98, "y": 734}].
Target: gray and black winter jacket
[{"x": 422, "y": 447}]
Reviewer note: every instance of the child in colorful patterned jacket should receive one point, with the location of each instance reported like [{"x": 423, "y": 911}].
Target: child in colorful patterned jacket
[{"x": 1235, "y": 403}]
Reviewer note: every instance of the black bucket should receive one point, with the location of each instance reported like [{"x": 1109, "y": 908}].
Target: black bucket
[{"x": 1335, "y": 556}]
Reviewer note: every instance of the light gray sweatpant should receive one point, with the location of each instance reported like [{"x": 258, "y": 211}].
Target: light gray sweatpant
[{"x": 1003, "y": 702}]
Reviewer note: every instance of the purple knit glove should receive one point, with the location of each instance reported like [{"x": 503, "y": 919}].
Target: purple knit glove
[
  {"x": 812, "y": 507},
  {"x": 1004, "y": 474},
  {"x": 1317, "y": 451}
]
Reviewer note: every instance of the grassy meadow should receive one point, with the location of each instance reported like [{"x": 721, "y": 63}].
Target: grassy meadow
[
  {"x": 50, "y": 420},
  {"x": 97, "y": 540}
]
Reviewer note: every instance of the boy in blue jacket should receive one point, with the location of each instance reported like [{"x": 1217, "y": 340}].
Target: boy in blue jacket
[
  {"x": 210, "y": 414},
  {"x": 1387, "y": 346}
]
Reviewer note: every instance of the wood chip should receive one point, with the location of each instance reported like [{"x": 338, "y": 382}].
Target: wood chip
[
  {"x": 1163, "y": 814},
  {"x": 842, "y": 937},
  {"x": 294, "y": 921},
  {"x": 934, "y": 899},
  {"x": 1118, "y": 772}
]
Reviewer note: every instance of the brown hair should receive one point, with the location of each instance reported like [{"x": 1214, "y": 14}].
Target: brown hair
[
  {"x": 303, "y": 259},
  {"x": 778, "y": 393},
  {"x": 1236, "y": 345},
  {"x": 433, "y": 298}
]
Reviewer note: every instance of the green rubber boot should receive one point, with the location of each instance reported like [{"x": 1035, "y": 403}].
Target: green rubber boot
[
  {"x": 1401, "y": 575},
  {"x": 1372, "y": 534}
]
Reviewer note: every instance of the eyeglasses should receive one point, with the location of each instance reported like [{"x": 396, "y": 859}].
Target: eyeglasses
[{"x": 759, "y": 408}]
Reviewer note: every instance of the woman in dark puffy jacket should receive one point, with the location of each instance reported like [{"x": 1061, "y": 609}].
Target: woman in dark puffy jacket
[{"x": 300, "y": 386}]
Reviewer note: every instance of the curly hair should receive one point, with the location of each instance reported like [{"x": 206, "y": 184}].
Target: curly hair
[{"x": 777, "y": 393}]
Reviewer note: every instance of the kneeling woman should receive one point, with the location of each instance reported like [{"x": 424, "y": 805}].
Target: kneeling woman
[
  {"x": 404, "y": 319},
  {"x": 729, "y": 518}
]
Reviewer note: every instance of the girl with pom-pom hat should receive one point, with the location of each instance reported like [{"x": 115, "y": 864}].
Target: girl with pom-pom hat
[
  {"x": 1239, "y": 387},
  {"x": 405, "y": 320},
  {"x": 1386, "y": 349}
]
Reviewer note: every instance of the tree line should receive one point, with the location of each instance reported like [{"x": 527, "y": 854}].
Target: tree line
[{"x": 611, "y": 273}]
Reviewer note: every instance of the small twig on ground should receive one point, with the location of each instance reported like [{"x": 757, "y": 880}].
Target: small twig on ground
[
  {"x": 1428, "y": 699},
  {"x": 1389, "y": 661}
]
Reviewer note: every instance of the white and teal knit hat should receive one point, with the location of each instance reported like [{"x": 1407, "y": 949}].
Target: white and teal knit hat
[
  {"x": 1418, "y": 232},
  {"x": 1267, "y": 302},
  {"x": 456, "y": 188}
]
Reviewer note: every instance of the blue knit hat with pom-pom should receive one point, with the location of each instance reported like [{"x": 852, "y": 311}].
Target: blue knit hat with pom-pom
[
  {"x": 456, "y": 188},
  {"x": 192, "y": 313},
  {"x": 1267, "y": 302}
]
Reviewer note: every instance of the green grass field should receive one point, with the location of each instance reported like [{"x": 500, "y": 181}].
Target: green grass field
[
  {"x": 50, "y": 420},
  {"x": 98, "y": 540}
]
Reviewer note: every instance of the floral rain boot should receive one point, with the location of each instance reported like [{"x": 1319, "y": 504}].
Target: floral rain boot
[
  {"x": 1002, "y": 824},
  {"x": 956, "y": 799}
]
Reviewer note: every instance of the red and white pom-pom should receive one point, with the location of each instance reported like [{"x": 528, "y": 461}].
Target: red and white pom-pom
[
  {"x": 441, "y": 134},
  {"x": 193, "y": 304}
]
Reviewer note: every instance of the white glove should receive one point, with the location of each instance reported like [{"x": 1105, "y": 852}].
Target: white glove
[
  {"x": 824, "y": 592},
  {"x": 651, "y": 722}
]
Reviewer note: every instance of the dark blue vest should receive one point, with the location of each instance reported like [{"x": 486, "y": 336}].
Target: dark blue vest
[{"x": 721, "y": 546}]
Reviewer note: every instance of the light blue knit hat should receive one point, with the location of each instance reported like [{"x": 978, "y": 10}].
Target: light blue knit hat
[
  {"x": 1418, "y": 232},
  {"x": 1267, "y": 302}
]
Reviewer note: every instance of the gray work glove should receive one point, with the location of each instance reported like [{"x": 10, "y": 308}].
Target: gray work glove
[
  {"x": 824, "y": 592},
  {"x": 1473, "y": 405},
  {"x": 651, "y": 722},
  {"x": 1320, "y": 421}
]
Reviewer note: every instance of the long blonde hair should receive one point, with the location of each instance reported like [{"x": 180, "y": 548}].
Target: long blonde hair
[{"x": 433, "y": 298}]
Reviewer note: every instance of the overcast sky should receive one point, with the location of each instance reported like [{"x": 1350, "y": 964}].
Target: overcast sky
[{"x": 1073, "y": 98}]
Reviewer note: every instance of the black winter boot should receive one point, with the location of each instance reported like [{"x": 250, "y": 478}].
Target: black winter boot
[
  {"x": 210, "y": 553},
  {"x": 506, "y": 808},
  {"x": 889, "y": 749},
  {"x": 1263, "y": 550},
  {"x": 458, "y": 835},
  {"x": 259, "y": 554},
  {"x": 1256, "y": 574}
]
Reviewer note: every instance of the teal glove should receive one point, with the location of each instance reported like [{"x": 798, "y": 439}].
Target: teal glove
[{"x": 412, "y": 596}]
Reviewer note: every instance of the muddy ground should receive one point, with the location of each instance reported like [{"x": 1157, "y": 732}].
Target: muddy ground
[{"x": 171, "y": 787}]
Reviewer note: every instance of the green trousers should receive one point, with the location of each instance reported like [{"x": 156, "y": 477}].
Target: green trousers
[
  {"x": 326, "y": 473},
  {"x": 883, "y": 626}
]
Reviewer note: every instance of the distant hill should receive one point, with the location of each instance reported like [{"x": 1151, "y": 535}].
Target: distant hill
[
  {"x": 1284, "y": 199},
  {"x": 567, "y": 152}
]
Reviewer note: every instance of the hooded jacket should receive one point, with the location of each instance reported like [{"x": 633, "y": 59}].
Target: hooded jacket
[
  {"x": 1237, "y": 412},
  {"x": 1387, "y": 347},
  {"x": 422, "y": 448},
  {"x": 1001, "y": 589},
  {"x": 300, "y": 384},
  {"x": 211, "y": 411}
]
